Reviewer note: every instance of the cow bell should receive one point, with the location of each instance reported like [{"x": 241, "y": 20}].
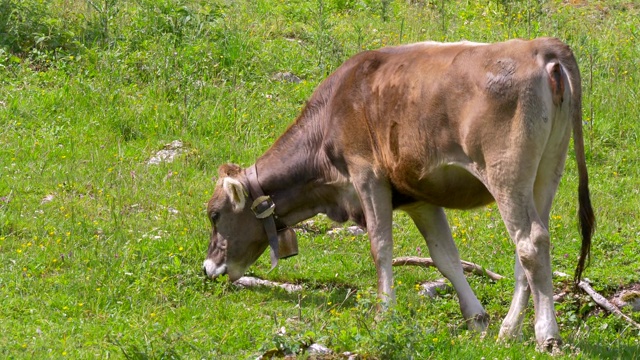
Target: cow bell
[{"x": 287, "y": 243}]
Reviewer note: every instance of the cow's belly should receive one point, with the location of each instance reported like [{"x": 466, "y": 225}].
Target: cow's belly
[{"x": 447, "y": 186}]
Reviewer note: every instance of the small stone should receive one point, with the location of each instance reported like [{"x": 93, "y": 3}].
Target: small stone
[
  {"x": 351, "y": 230},
  {"x": 47, "y": 199},
  {"x": 432, "y": 289},
  {"x": 287, "y": 76},
  {"x": 356, "y": 230},
  {"x": 627, "y": 298},
  {"x": 168, "y": 153},
  {"x": 317, "y": 349}
]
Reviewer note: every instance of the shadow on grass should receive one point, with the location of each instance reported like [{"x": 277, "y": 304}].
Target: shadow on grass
[{"x": 315, "y": 292}]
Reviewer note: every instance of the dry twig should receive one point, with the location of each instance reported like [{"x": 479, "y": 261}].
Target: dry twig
[
  {"x": 427, "y": 262},
  {"x": 248, "y": 281},
  {"x": 601, "y": 300}
]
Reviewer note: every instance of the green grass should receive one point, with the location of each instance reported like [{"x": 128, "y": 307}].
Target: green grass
[{"x": 100, "y": 253}]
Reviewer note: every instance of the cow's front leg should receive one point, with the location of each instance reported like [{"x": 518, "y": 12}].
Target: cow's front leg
[
  {"x": 433, "y": 225},
  {"x": 375, "y": 198}
]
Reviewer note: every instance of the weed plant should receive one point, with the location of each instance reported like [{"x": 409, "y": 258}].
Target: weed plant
[{"x": 100, "y": 252}]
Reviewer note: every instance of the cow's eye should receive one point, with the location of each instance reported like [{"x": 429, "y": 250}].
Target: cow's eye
[{"x": 215, "y": 216}]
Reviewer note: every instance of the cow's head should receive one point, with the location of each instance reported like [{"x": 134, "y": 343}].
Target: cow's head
[
  {"x": 238, "y": 232},
  {"x": 237, "y": 236}
]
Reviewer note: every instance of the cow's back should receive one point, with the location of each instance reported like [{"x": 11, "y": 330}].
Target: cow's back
[{"x": 421, "y": 112}]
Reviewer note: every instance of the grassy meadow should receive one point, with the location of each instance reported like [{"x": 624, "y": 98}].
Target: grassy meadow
[{"x": 101, "y": 252}]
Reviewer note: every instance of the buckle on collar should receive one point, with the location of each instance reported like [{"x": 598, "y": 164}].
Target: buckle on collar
[{"x": 263, "y": 207}]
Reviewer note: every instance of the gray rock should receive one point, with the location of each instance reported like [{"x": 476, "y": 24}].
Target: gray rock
[{"x": 287, "y": 76}]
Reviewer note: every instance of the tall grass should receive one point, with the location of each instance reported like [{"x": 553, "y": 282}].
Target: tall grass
[{"x": 100, "y": 252}]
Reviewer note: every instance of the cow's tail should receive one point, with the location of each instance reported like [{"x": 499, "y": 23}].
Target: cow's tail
[{"x": 586, "y": 217}]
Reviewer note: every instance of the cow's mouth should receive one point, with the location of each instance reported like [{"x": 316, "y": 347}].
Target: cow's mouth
[{"x": 211, "y": 270}]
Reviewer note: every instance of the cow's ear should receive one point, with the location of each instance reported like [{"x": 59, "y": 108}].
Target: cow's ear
[
  {"x": 235, "y": 191},
  {"x": 231, "y": 170}
]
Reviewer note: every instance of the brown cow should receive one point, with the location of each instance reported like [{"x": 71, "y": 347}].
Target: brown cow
[{"x": 420, "y": 128}]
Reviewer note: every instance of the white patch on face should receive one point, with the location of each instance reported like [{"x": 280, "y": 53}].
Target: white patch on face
[{"x": 212, "y": 269}]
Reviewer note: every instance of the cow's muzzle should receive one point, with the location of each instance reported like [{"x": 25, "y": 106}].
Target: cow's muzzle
[{"x": 212, "y": 270}]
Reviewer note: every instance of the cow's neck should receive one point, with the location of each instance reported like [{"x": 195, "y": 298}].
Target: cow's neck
[
  {"x": 291, "y": 173},
  {"x": 297, "y": 172}
]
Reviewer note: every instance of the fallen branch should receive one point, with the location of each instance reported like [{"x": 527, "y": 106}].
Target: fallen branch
[
  {"x": 248, "y": 281},
  {"x": 466, "y": 266},
  {"x": 560, "y": 296},
  {"x": 601, "y": 300}
]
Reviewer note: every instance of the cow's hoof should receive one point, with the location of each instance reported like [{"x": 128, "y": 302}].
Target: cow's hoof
[
  {"x": 551, "y": 346},
  {"x": 508, "y": 333},
  {"x": 478, "y": 322}
]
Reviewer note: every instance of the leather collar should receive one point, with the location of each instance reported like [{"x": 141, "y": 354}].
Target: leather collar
[{"x": 265, "y": 210}]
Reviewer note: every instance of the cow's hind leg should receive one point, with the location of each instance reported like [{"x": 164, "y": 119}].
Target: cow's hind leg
[
  {"x": 512, "y": 324},
  {"x": 527, "y": 218},
  {"x": 432, "y": 223},
  {"x": 532, "y": 240}
]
